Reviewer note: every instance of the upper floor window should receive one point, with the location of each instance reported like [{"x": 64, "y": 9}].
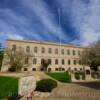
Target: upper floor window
[
  {"x": 74, "y": 52},
  {"x": 74, "y": 62},
  {"x": 14, "y": 47},
  {"x": 42, "y": 61},
  {"x": 63, "y": 62},
  {"x": 49, "y": 50},
  {"x": 56, "y": 61},
  {"x": 26, "y": 60},
  {"x": 35, "y": 49},
  {"x": 62, "y": 51},
  {"x": 56, "y": 51},
  {"x": 49, "y": 61},
  {"x": 68, "y": 52},
  {"x": 79, "y": 52},
  {"x": 80, "y": 62},
  {"x": 43, "y": 50},
  {"x": 34, "y": 61},
  {"x": 27, "y": 49},
  {"x": 69, "y": 62}
]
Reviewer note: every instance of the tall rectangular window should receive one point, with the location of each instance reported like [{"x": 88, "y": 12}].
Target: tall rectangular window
[
  {"x": 74, "y": 62},
  {"x": 27, "y": 49},
  {"x": 26, "y": 60},
  {"x": 43, "y": 50},
  {"x": 14, "y": 47},
  {"x": 74, "y": 52},
  {"x": 62, "y": 51},
  {"x": 68, "y": 52},
  {"x": 35, "y": 49},
  {"x": 49, "y": 50},
  {"x": 79, "y": 53},
  {"x": 56, "y": 51},
  {"x": 34, "y": 61},
  {"x": 69, "y": 62},
  {"x": 63, "y": 62},
  {"x": 49, "y": 61},
  {"x": 56, "y": 61}
]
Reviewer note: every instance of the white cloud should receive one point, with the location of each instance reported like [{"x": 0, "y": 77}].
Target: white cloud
[
  {"x": 15, "y": 36},
  {"x": 45, "y": 16}
]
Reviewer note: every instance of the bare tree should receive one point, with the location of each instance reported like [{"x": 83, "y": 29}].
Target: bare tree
[
  {"x": 91, "y": 56},
  {"x": 16, "y": 58},
  {"x": 44, "y": 64}
]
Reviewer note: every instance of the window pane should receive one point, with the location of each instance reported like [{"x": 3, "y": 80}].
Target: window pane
[
  {"x": 68, "y": 52},
  {"x": 35, "y": 49},
  {"x": 49, "y": 50},
  {"x": 62, "y": 51},
  {"x": 56, "y": 61},
  {"x": 69, "y": 62},
  {"x": 43, "y": 50},
  {"x": 27, "y": 49},
  {"x": 56, "y": 51},
  {"x": 14, "y": 47},
  {"x": 63, "y": 62},
  {"x": 73, "y": 52},
  {"x": 34, "y": 61}
]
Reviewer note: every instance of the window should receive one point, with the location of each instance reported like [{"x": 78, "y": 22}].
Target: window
[
  {"x": 69, "y": 62},
  {"x": 43, "y": 50},
  {"x": 50, "y": 50},
  {"x": 80, "y": 62},
  {"x": 49, "y": 61},
  {"x": 42, "y": 61},
  {"x": 68, "y": 52},
  {"x": 63, "y": 62},
  {"x": 14, "y": 47},
  {"x": 35, "y": 50},
  {"x": 33, "y": 69},
  {"x": 56, "y": 69},
  {"x": 49, "y": 69},
  {"x": 73, "y": 52},
  {"x": 56, "y": 61},
  {"x": 25, "y": 69},
  {"x": 27, "y": 49},
  {"x": 75, "y": 69},
  {"x": 63, "y": 69},
  {"x": 80, "y": 69},
  {"x": 56, "y": 51},
  {"x": 74, "y": 62},
  {"x": 34, "y": 61},
  {"x": 62, "y": 51},
  {"x": 26, "y": 60},
  {"x": 79, "y": 53}
]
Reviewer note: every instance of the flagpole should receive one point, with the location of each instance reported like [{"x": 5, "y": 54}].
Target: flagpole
[{"x": 59, "y": 23}]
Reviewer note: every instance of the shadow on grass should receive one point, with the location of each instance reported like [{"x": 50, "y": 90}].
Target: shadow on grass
[{"x": 94, "y": 85}]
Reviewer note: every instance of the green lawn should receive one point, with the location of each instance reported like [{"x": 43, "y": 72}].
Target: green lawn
[
  {"x": 8, "y": 86},
  {"x": 60, "y": 76}
]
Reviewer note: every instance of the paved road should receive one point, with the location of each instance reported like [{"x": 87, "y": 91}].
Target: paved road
[{"x": 77, "y": 91}]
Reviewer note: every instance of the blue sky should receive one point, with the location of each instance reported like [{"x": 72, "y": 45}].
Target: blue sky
[{"x": 38, "y": 20}]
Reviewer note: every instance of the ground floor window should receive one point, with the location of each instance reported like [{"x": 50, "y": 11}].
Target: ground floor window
[
  {"x": 49, "y": 69},
  {"x": 75, "y": 69},
  {"x": 25, "y": 69},
  {"x": 63, "y": 69},
  {"x": 34, "y": 69},
  {"x": 56, "y": 69}
]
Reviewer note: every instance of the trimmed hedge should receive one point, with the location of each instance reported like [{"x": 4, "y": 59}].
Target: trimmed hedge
[{"x": 46, "y": 85}]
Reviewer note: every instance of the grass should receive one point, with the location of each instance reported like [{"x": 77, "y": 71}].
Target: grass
[
  {"x": 8, "y": 86},
  {"x": 60, "y": 76}
]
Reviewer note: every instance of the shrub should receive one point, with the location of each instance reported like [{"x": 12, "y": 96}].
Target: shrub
[
  {"x": 46, "y": 85},
  {"x": 78, "y": 75}
]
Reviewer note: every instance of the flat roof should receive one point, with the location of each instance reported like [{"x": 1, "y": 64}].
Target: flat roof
[{"x": 45, "y": 42}]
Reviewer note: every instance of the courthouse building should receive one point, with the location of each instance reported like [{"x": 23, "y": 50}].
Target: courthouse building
[{"x": 60, "y": 56}]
